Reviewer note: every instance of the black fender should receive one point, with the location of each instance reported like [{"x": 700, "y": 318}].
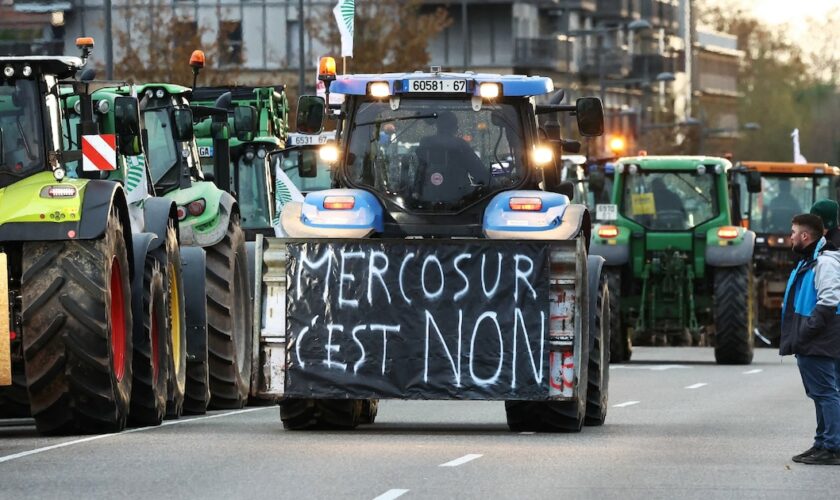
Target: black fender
[
  {"x": 193, "y": 262},
  {"x": 142, "y": 247},
  {"x": 157, "y": 212},
  {"x": 594, "y": 268},
  {"x": 99, "y": 197}
]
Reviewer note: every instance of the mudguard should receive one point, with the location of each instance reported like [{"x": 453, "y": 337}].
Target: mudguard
[
  {"x": 142, "y": 246},
  {"x": 729, "y": 253},
  {"x": 311, "y": 220},
  {"x": 195, "y": 301},
  {"x": 157, "y": 212},
  {"x": 556, "y": 220}
]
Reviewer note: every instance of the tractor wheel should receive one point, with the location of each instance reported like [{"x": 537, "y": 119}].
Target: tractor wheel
[
  {"x": 77, "y": 327},
  {"x": 301, "y": 414},
  {"x": 197, "y": 397},
  {"x": 370, "y": 407},
  {"x": 734, "y": 315},
  {"x": 148, "y": 389},
  {"x": 170, "y": 262},
  {"x": 548, "y": 416},
  {"x": 620, "y": 347},
  {"x": 599, "y": 357},
  {"x": 229, "y": 320},
  {"x": 14, "y": 402}
]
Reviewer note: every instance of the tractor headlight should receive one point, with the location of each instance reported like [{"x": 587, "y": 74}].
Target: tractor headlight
[
  {"x": 261, "y": 153},
  {"x": 701, "y": 170},
  {"x": 27, "y": 71},
  {"x": 9, "y": 71},
  {"x": 149, "y": 94},
  {"x": 77, "y": 107},
  {"x": 249, "y": 154},
  {"x": 632, "y": 169},
  {"x": 160, "y": 93},
  {"x": 103, "y": 106},
  {"x": 59, "y": 174}
]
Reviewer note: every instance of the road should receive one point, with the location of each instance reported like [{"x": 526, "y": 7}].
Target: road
[{"x": 679, "y": 426}]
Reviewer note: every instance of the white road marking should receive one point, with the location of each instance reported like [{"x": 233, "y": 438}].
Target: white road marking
[
  {"x": 527, "y": 433},
  {"x": 22, "y": 454},
  {"x": 696, "y": 386},
  {"x": 626, "y": 403},
  {"x": 750, "y": 372},
  {"x": 655, "y": 368},
  {"x": 462, "y": 460},
  {"x": 391, "y": 494}
]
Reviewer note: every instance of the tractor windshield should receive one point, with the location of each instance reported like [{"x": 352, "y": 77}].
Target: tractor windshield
[
  {"x": 163, "y": 154},
  {"x": 435, "y": 154},
  {"x": 22, "y": 130},
  {"x": 253, "y": 187},
  {"x": 670, "y": 201},
  {"x": 781, "y": 198},
  {"x": 289, "y": 163}
]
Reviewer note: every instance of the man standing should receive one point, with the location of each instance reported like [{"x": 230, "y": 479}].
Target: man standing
[
  {"x": 811, "y": 331},
  {"x": 827, "y": 210}
]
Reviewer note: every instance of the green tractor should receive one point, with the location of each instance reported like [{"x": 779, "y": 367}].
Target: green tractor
[
  {"x": 85, "y": 261},
  {"x": 209, "y": 218},
  {"x": 680, "y": 273},
  {"x": 259, "y": 116}
]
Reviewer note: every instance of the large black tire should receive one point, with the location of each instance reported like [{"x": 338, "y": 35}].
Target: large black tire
[
  {"x": 77, "y": 332},
  {"x": 620, "y": 347},
  {"x": 597, "y": 394},
  {"x": 170, "y": 262},
  {"x": 301, "y": 414},
  {"x": 197, "y": 396},
  {"x": 14, "y": 402},
  {"x": 734, "y": 315},
  {"x": 370, "y": 407},
  {"x": 149, "y": 360},
  {"x": 229, "y": 320}
]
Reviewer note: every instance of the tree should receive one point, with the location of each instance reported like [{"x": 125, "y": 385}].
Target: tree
[
  {"x": 390, "y": 35},
  {"x": 154, "y": 41}
]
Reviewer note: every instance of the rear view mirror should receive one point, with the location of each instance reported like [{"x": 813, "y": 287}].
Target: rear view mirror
[
  {"x": 597, "y": 180},
  {"x": 245, "y": 122},
  {"x": 567, "y": 188},
  {"x": 754, "y": 181},
  {"x": 310, "y": 114},
  {"x": 590, "y": 116},
  {"x": 127, "y": 125},
  {"x": 183, "y": 119}
]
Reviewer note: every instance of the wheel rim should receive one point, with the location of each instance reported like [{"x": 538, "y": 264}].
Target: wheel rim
[
  {"x": 155, "y": 341},
  {"x": 174, "y": 314},
  {"x": 117, "y": 320}
]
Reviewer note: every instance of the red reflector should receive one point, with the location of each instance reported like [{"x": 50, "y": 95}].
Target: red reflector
[
  {"x": 339, "y": 202},
  {"x": 607, "y": 232},
  {"x": 526, "y": 204},
  {"x": 71, "y": 234},
  {"x": 728, "y": 232},
  {"x": 182, "y": 213},
  {"x": 197, "y": 207},
  {"x": 12, "y": 335}
]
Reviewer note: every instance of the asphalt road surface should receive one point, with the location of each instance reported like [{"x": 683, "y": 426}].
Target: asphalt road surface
[{"x": 679, "y": 426}]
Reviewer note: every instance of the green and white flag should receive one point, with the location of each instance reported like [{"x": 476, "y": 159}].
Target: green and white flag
[
  {"x": 135, "y": 181},
  {"x": 345, "y": 16}
]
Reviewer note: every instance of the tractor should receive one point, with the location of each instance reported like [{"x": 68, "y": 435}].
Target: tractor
[
  {"x": 446, "y": 262},
  {"x": 91, "y": 268},
  {"x": 679, "y": 271},
  {"x": 765, "y": 197}
]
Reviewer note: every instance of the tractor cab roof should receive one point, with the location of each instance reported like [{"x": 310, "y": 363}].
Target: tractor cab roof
[
  {"x": 674, "y": 162},
  {"x": 400, "y": 83},
  {"x": 788, "y": 168},
  {"x": 237, "y": 92},
  {"x": 60, "y": 66}
]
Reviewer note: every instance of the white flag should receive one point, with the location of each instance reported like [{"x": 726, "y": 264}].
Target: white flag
[
  {"x": 797, "y": 155},
  {"x": 345, "y": 13}
]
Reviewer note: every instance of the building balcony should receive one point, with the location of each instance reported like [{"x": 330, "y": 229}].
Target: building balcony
[
  {"x": 586, "y": 5},
  {"x": 553, "y": 53},
  {"x": 647, "y": 66},
  {"x": 33, "y": 48},
  {"x": 618, "y": 9},
  {"x": 616, "y": 62}
]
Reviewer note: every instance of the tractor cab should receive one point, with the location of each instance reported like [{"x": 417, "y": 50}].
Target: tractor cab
[
  {"x": 30, "y": 114},
  {"x": 434, "y": 149}
]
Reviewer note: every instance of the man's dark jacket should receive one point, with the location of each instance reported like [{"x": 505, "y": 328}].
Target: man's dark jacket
[{"x": 810, "y": 312}]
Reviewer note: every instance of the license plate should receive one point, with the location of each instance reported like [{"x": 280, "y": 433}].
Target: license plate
[
  {"x": 5, "y": 342},
  {"x": 606, "y": 212},
  {"x": 205, "y": 152},
  {"x": 449, "y": 86}
]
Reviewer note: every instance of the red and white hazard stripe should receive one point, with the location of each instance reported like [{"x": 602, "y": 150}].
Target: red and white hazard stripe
[{"x": 99, "y": 152}]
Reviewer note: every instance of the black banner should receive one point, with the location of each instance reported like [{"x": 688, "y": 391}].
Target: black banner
[{"x": 417, "y": 319}]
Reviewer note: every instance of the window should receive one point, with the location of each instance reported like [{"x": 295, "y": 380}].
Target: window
[
  {"x": 230, "y": 43},
  {"x": 670, "y": 201}
]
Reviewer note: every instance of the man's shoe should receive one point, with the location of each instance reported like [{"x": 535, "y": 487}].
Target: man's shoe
[
  {"x": 807, "y": 453},
  {"x": 823, "y": 457}
]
